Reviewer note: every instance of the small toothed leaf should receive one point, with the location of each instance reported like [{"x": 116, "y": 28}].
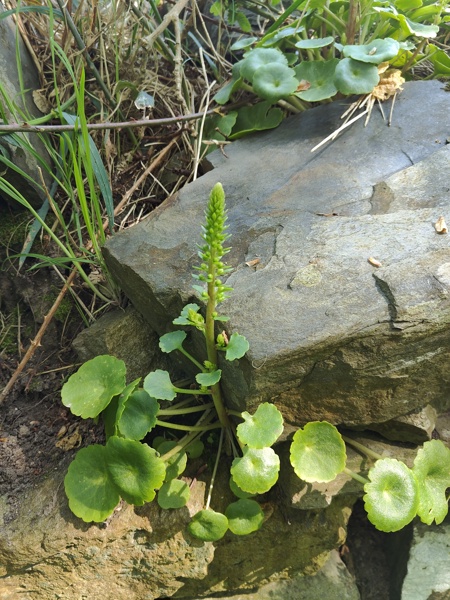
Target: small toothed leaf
[
  {"x": 158, "y": 384},
  {"x": 236, "y": 347},
  {"x": 173, "y": 494},
  {"x": 256, "y": 471},
  {"x": 172, "y": 341},
  {"x": 244, "y": 516},
  {"x": 261, "y": 429},
  {"x": 208, "y": 379},
  {"x": 432, "y": 471}
]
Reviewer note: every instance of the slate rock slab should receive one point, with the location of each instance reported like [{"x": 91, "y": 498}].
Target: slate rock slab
[{"x": 331, "y": 336}]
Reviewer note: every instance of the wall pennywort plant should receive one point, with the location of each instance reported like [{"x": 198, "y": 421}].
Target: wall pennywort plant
[{"x": 128, "y": 467}]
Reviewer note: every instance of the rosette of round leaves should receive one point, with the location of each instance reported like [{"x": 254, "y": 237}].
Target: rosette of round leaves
[
  {"x": 244, "y": 516},
  {"x": 318, "y": 452},
  {"x": 432, "y": 471},
  {"x": 89, "y": 391},
  {"x": 261, "y": 429},
  {"x": 208, "y": 525},
  {"x": 355, "y": 77},
  {"x": 391, "y": 497},
  {"x": 100, "y": 475},
  {"x": 376, "y": 52},
  {"x": 256, "y": 471}
]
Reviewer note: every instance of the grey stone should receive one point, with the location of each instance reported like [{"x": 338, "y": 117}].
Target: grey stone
[
  {"x": 332, "y": 581},
  {"x": 428, "y": 568},
  {"x": 416, "y": 427},
  {"x": 331, "y": 336},
  {"x": 20, "y": 156},
  {"x": 125, "y": 335}
]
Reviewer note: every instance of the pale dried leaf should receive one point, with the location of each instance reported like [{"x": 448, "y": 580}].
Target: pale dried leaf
[
  {"x": 390, "y": 83},
  {"x": 441, "y": 225},
  {"x": 374, "y": 262}
]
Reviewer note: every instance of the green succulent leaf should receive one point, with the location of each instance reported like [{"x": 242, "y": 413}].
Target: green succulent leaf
[
  {"x": 183, "y": 319},
  {"x": 256, "y": 118},
  {"x": 123, "y": 398},
  {"x": 208, "y": 525},
  {"x": 272, "y": 39},
  {"x": 376, "y": 52},
  {"x": 274, "y": 81},
  {"x": 237, "y": 490},
  {"x": 318, "y": 452},
  {"x": 91, "y": 492},
  {"x": 418, "y": 29},
  {"x": 173, "y": 494},
  {"x": 244, "y": 516},
  {"x": 259, "y": 57},
  {"x": 256, "y": 471},
  {"x": 195, "y": 449},
  {"x": 89, "y": 391},
  {"x": 158, "y": 385},
  {"x": 243, "y": 22},
  {"x": 261, "y": 429},
  {"x": 320, "y": 75},
  {"x": 314, "y": 43},
  {"x": 432, "y": 471},
  {"x": 138, "y": 416},
  {"x": 109, "y": 417},
  {"x": 208, "y": 379},
  {"x": 355, "y": 77},
  {"x": 244, "y": 42},
  {"x": 440, "y": 60},
  {"x": 237, "y": 347},
  {"x": 391, "y": 497},
  {"x": 172, "y": 341},
  {"x": 176, "y": 463},
  {"x": 135, "y": 469}
]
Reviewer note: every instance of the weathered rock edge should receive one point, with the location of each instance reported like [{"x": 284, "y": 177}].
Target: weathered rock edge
[{"x": 331, "y": 336}]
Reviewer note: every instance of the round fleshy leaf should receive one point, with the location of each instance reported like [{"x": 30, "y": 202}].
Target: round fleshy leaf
[
  {"x": 320, "y": 75},
  {"x": 89, "y": 391},
  {"x": 244, "y": 516},
  {"x": 237, "y": 346},
  {"x": 391, "y": 497},
  {"x": 318, "y": 452},
  {"x": 432, "y": 471},
  {"x": 135, "y": 468},
  {"x": 237, "y": 490},
  {"x": 262, "y": 428},
  {"x": 138, "y": 416},
  {"x": 376, "y": 52},
  {"x": 243, "y": 43},
  {"x": 272, "y": 39},
  {"x": 158, "y": 385},
  {"x": 173, "y": 494},
  {"x": 208, "y": 379},
  {"x": 256, "y": 471},
  {"x": 355, "y": 77},
  {"x": 91, "y": 492},
  {"x": 418, "y": 29},
  {"x": 274, "y": 81},
  {"x": 176, "y": 463},
  {"x": 195, "y": 449},
  {"x": 208, "y": 525},
  {"x": 259, "y": 57},
  {"x": 314, "y": 43},
  {"x": 172, "y": 341}
]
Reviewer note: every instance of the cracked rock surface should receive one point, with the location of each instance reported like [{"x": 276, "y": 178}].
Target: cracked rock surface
[{"x": 331, "y": 335}]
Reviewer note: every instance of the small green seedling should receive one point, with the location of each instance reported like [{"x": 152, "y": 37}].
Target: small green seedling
[{"x": 128, "y": 468}]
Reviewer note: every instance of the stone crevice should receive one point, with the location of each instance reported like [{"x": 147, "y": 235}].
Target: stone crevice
[{"x": 384, "y": 289}]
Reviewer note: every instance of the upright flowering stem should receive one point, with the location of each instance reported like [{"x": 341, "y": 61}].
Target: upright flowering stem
[{"x": 212, "y": 268}]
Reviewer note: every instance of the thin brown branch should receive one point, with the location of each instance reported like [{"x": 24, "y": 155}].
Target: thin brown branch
[
  {"x": 36, "y": 342},
  {"x": 17, "y": 127}
]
